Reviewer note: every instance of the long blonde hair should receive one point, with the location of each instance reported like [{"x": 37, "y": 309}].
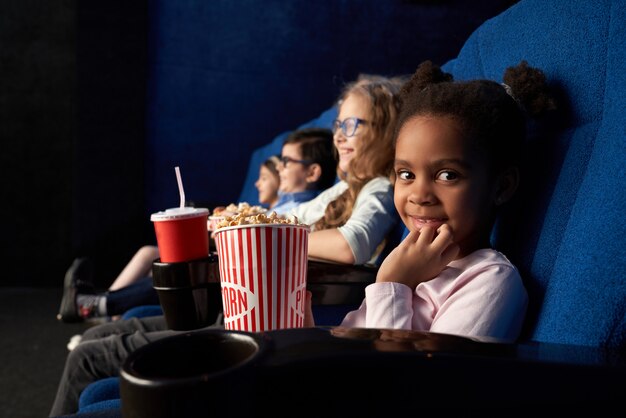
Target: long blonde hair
[{"x": 375, "y": 152}]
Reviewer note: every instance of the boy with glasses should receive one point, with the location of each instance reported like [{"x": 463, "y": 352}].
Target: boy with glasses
[{"x": 307, "y": 167}]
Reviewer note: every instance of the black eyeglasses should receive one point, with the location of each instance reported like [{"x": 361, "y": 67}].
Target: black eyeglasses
[
  {"x": 286, "y": 160},
  {"x": 348, "y": 125}
]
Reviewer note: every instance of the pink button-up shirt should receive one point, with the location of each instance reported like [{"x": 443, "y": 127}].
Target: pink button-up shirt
[{"x": 480, "y": 295}]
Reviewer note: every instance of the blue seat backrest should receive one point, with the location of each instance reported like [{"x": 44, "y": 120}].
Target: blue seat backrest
[{"x": 565, "y": 230}]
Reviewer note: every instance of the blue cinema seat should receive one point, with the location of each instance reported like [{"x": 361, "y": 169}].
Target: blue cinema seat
[{"x": 565, "y": 228}]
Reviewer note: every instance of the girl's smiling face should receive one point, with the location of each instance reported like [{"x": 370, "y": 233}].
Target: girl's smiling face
[
  {"x": 357, "y": 106},
  {"x": 441, "y": 178}
]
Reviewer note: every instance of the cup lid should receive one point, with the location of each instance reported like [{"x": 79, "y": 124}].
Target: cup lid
[{"x": 178, "y": 213}]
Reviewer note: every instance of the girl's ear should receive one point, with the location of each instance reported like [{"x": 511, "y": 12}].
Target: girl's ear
[
  {"x": 313, "y": 173},
  {"x": 507, "y": 185}
]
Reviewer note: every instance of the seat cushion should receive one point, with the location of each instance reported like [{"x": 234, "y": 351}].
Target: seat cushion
[{"x": 101, "y": 394}]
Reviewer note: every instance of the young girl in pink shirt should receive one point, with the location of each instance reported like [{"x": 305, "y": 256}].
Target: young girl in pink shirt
[{"x": 456, "y": 149}]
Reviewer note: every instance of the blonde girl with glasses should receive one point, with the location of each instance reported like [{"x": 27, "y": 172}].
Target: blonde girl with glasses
[{"x": 350, "y": 221}]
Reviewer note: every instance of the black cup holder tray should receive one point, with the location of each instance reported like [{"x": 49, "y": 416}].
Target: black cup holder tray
[{"x": 336, "y": 371}]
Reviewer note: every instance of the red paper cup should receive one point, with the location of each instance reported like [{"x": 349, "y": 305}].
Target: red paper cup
[
  {"x": 181, "y": 234},
  {"x": 263, "y": 272}
]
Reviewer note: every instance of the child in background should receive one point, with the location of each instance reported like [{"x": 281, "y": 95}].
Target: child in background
[
  {"x": 268, "y": 182},
  {"x": 456, "y": 151}
]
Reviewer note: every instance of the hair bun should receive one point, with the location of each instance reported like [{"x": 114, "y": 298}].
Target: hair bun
[
  {"x": 529, "y": 88},
  {"x": 427, "y": 73}
]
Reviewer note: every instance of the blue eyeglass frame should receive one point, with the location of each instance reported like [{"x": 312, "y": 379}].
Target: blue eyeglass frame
[
  {"x": 286, "y": 160},
  {"x": 342, "y": 124}
]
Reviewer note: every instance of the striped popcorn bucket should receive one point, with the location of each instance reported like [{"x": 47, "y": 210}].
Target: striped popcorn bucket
[{"x": 263, "y": 271}]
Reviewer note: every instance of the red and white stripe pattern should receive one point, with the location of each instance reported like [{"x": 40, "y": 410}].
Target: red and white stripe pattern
[{"x": 263, "y": 271}]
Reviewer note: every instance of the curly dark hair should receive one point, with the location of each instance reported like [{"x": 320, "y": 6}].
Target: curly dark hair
[{"x": 492, "y": 115}]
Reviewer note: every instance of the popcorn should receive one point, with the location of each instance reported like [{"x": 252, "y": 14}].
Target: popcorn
[
  {"x": 242, "y": 208},
  {"x": 256, "y": 219},
  {"x": 220, "y": 213}
]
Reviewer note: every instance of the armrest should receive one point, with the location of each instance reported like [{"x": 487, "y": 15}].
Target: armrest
[
  {"x": 445, "y": 372},
  {"x": 338, "y": 284}
]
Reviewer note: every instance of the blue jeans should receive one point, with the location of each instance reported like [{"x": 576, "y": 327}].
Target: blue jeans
[{"x": 139, "y": 293}]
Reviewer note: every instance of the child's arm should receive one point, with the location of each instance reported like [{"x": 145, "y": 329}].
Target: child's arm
[
  {"x": 420, "y": 257},
  {"x": 329, "y": 244}
]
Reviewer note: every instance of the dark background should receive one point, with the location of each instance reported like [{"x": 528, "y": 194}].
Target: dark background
[{"x": 99, "y": 100}]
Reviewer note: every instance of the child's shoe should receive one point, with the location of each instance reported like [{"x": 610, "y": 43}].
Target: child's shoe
[{"x": 79, "y": 301}]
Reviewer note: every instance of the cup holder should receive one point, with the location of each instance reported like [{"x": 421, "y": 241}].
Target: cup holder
[
  {"x": 189, "y": 375},
  {"x": 189, "y": 292}
]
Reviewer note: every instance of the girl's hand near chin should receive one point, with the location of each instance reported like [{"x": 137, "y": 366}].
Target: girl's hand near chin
[{"x": 419, "y": 257}]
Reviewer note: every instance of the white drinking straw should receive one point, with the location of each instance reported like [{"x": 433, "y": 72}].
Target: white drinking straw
[{"x": 181, "y": 191}]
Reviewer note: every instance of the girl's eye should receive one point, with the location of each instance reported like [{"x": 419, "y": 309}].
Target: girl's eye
[
  {"x": 447, "y": 175},
  {"x": 405, "y": 175}
]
